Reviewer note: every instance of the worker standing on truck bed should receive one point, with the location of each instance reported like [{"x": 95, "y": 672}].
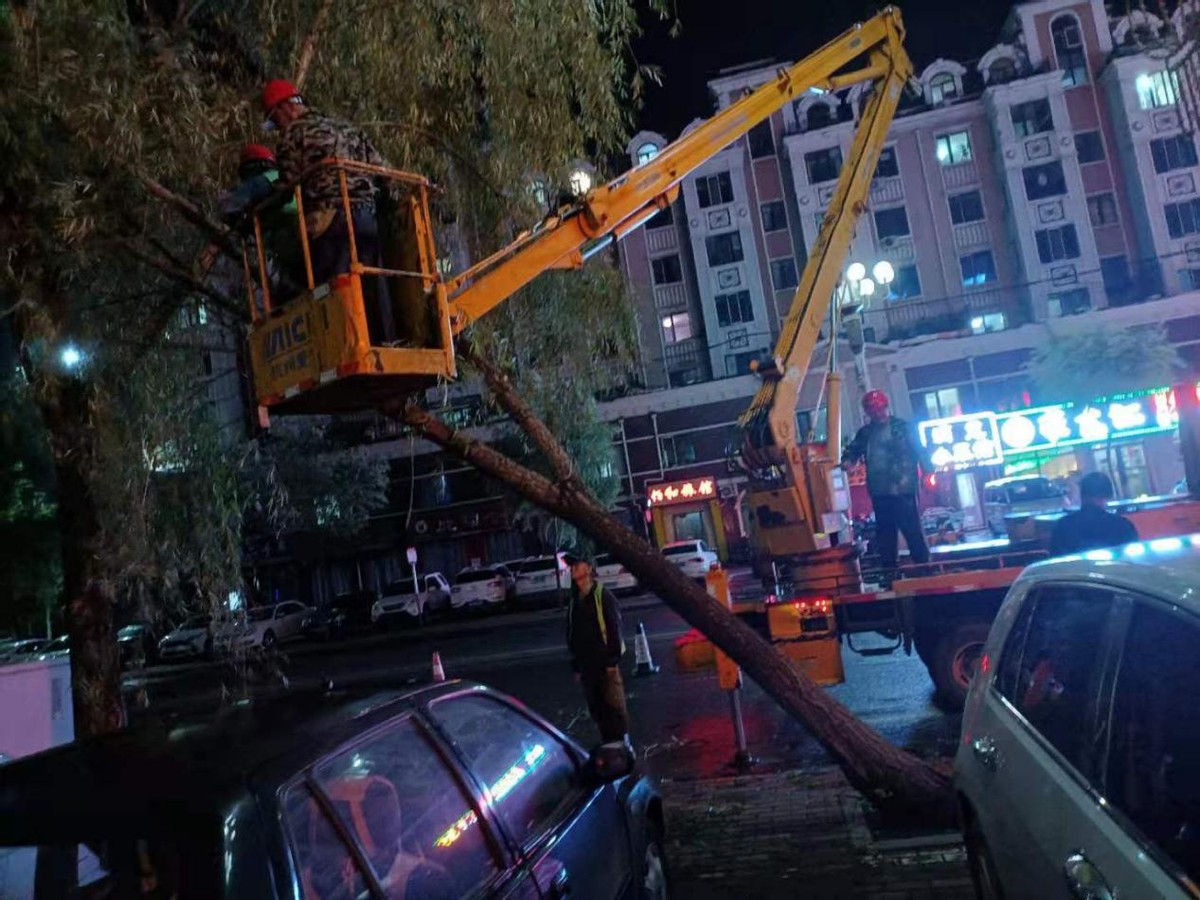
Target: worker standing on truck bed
[
  {"x": 1092, "y": 526},
  {"x": 893, "y": 454},
  {"x": 595, "y": 643}
]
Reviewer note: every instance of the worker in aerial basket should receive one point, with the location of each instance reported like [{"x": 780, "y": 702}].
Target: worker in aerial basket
[
  {"x": 895, "y": 459},
  {"x": 596, "y": 646}
]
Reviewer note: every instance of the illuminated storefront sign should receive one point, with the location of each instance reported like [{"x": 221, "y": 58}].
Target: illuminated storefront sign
[
  {"x": 986, "y": 439},
  {"x": 682, "y": 491}
]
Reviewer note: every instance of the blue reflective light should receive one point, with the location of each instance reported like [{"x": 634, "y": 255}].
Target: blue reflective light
[{"x": 1166, "y": 545}]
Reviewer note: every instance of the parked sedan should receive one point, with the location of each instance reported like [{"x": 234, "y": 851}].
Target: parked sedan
[
  {"x": 478, "y": 589},
  {"x": 693, "y": 558},
  {"x": 448, "y": 791},
  {"x": 614, "y": 576},
  {"x": 191, "y": 639},
  {"x": 1078, "y": 772},
  {"x": 542, "y": 577},
  {"x": 138, "y": 645},
  {"x": 262, "y": 627}
]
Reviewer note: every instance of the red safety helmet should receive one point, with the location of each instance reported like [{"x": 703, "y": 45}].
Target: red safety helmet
[
  {"x": 257, "y": 153},
  {"x": 277, "y": 91},
  {"x": 874, "y": 402}
]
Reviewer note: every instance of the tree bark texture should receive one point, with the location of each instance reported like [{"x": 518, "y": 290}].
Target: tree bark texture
[
  {"x": 95, "y": 658},
  {"x": 891, "y": 778}
]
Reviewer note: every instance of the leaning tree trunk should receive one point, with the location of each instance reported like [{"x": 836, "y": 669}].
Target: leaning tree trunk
[
  {"x": 95, "y": 658},
  {"x": 890, "y": 777}
]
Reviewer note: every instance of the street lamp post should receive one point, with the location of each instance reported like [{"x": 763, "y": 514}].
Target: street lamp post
[{"x": 857, "y": 290}]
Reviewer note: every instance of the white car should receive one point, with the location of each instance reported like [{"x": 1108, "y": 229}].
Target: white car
[
  {"x": 613, "y": 575},
  {"x": 542, "y": 576},
  {"x": 1078, "y": 773},
  {"x": 478, "y": 589},
  {"x": 193, "y": 638},
  {"x": 693, "y": 558},
  {"x": 263, "y": 626},
  {"x": 401, "y": 602}
]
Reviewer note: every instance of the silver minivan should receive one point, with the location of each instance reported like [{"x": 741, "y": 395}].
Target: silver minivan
[{"x": 1078, "y": 772}]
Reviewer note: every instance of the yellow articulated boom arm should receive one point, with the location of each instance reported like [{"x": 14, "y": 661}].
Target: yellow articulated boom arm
[
  {"x": 789, "y": 501},
  {"x": 610, "y": 212}
]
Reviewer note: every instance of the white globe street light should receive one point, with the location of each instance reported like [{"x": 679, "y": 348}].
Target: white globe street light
[
  {"x": 71, "y": 357},
  {"x": 856, "y": 272},
  {"x": 883, "y": 272},
  {"x": 866, "y": 287}
]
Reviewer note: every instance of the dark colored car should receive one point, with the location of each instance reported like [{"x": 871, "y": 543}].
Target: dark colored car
[
  {"x": 325, "y": 623},
  {"x": 138, "y": 645},
  {"x": 447, "y": 791}
]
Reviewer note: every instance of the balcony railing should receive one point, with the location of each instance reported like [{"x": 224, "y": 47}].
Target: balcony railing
[
  {"x": 886, "y": 190},
  {"x": 904, "y": 319},
  {"x": 972, "y": 234},
  {"x": 669, "y": 297},
  {"x": 682, "y": 353},
  {"x": 960, "y": 175},
  {"x": 659, "y": 240}
]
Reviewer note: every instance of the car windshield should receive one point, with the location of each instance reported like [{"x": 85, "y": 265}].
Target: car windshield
[
  {"x": 1034, "y": 489},
  {"x": 681, "y": 550},
  {"x": 475, "y": 576},
  {"x": 543, "y": 564},
  {"x": 197, "y": 622},
  {"x": 261, "y": 614}
]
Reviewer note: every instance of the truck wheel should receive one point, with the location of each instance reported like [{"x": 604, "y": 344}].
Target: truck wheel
[{"x": 954, "y": 662}]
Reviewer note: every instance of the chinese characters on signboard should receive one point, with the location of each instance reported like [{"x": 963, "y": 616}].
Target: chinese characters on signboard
[
  {"x": 682, "y": 491},
  {"x": 985, "y": 439}
]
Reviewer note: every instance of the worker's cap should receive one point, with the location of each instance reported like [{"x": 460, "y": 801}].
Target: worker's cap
[
  {"x": 276, "y": 92},
  {"x": 575, "y": 559},
  {"x": 1096, "y": 485}
]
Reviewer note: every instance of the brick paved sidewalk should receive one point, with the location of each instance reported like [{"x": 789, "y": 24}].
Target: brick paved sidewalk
[{"x": 798, "y": 834}]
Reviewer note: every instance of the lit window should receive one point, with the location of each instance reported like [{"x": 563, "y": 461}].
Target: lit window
[
  {"x": 676, "y": 327},
  {"x": 1157, "y": 90},
  {"x": 647, "y": 152},
  {"x": 988, "y": 322},
  {"x": 977, "y": 268},
  {"x": 1068, "y": 47},
  {"x": 954, "y": 148},
  {"x": 942, "y": 87}
]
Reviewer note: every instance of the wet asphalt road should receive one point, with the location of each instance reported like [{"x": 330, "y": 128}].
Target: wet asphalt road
[{"x": 680, "y": 722}]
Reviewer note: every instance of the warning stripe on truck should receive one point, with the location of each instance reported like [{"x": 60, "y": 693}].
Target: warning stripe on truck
[{"x": 950, "y": 583}]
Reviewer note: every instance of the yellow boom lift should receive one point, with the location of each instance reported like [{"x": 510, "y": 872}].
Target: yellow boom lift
[{"x": 328, "y": 351}]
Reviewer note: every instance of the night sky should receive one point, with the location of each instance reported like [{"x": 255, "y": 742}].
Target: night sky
[{"x": 721, "y": 33}]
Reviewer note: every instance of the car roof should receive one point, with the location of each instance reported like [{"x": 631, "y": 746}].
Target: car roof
[
  {"x": 183, "y": 769},
  {"x": 1013, "y": 479},
  {"x": 1168, "y": 568}
]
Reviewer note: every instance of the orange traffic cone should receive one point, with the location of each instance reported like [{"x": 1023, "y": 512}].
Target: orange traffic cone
[{"x": 439, "y": 674}]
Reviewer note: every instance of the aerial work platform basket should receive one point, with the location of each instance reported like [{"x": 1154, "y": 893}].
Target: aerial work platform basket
[{"x": 372, "y": 334}]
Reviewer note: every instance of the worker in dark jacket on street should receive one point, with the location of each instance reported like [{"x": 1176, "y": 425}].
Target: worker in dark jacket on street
[
  {"x": 596, "y": 646},
  {"x": 893, "y": 454},
  {"x": 1092, "y": 526}
]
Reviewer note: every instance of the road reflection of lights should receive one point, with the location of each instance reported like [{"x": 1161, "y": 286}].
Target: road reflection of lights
[{"x": 504, "y": 785}]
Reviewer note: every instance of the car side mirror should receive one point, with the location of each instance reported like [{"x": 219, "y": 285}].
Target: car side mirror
[{"x": 608, "y": 763}]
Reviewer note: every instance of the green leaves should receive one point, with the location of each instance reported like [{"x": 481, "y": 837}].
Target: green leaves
[{"x": 1094, "y": 363}]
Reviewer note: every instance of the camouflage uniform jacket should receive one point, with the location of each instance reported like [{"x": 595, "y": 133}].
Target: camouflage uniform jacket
[
  {"x": 892, "y": 452},
  {"x": 314, "y": 137}
]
